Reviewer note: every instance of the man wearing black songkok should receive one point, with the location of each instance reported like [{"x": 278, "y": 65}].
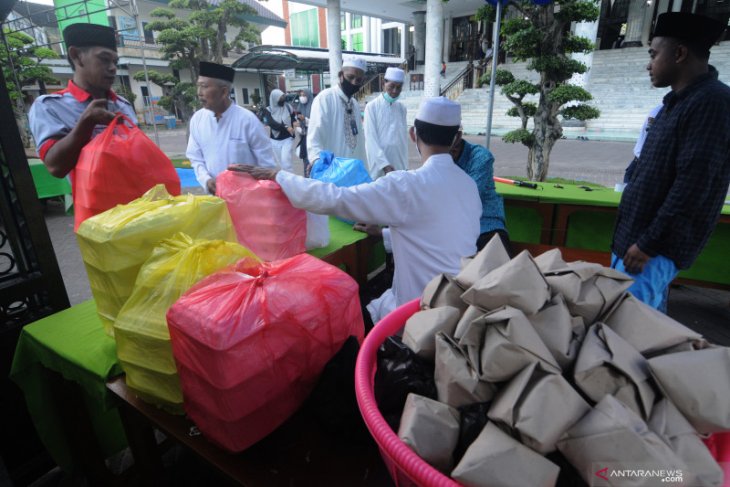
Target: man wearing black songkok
[
  {"x": 676, "y": 192},
  {"x": 62, "y": 123}
]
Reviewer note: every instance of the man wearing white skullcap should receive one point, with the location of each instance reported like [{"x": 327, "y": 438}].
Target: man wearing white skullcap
[
  {"x": 335, "y": 123},
  {"x": 432, "y": 212},
  {"x": 386, "y": 129}
]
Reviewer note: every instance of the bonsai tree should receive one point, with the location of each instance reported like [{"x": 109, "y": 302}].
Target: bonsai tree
[{"x": 540, "y": 35}]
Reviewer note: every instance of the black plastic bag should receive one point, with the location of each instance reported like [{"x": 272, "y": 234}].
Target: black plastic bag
[
  {"x": 473, "y": 420},
  {"x": 400, "y": 372}
]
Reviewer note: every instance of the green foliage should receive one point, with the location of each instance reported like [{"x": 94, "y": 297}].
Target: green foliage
[
  {"x": 520, "y": 88},
  {"x": 528, "y": 108},
  {"x": 580, "y": 112},
  {"x": 578, "y": 11},
  {"x": 522, "y": 136},
  {"x": 573, "y": 43},
  {"x": 486, "y": 12},
  {"x": 563, "y": 94},
  {"x": 556, "y": 68},
  {"x": 503, "y": 77},
  {"x": 22, "y": 62}
]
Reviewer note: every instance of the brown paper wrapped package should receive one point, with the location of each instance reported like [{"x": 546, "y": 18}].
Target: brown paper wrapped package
[
  {"x": 493, "y": 255},
  {"x": 698, "y": 383},
  {"x": 645, "y": 328},
  {"x": 561, "y": 332},
  {"x": 431, "y": 429},
  {"x": 504, "y": 342},
  {"x": 443, "y": 290},
  {"x": 471, "y": 314},
  {"x": 667, "y": 422},
  {"x": 518, "y": 283},
  {"x": 495, "y": 459},
  {"x": 612, "y": 436},
  {"x": 457, "y": 380},
  {"x": 539, "y": 406},
  {"x": 590, "y": 290},
  {"x": 550, "y": 260},
  {"x": 607, "y": 364},
  {"x": 420, "y": 332}
]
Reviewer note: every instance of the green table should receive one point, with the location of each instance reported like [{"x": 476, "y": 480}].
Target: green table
[
  {"x": 48, "y": 186},
  {"x": 63, "y": 362},
  {"x": 581, "y": 222}
]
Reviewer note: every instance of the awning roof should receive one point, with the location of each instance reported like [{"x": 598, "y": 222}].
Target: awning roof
[{"x": 280, "y": 58}]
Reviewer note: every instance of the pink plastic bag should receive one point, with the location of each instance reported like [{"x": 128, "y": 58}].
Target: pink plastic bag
[
  {"x": 264, "y": 219},
  {"x": 250, "y": 342}
]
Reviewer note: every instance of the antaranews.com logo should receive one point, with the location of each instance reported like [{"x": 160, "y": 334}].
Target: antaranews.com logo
[{"x": 617, "y": 475}]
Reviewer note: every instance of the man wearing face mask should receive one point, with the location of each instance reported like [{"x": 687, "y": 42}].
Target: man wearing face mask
[
  {"x": 386, "y": 130},
  {"x": 334, "y": 122},
  {"x": 223, "y": 133},
  {"x": 433, "y": 211},
  {"x": 278, "y": 116}
]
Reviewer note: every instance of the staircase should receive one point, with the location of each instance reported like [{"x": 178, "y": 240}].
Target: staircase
[{"x": 618, "y": 82}]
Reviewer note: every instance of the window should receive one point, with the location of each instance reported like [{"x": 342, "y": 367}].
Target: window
[
  {"x": 342, "y": 21},
  {"x": 357, "y": 42},
  {"x": 304, "y": 28},
  {"x": 149, "y": 37},
  {"x": 245, "y": 95},
  {"x": 145, "y": 96},
  {"x": 356, "y": 21}
]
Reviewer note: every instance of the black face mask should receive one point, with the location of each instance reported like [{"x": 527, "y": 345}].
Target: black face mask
[
  {"x": 348, "y": 88},
  {"x": 281, "y": 103}
]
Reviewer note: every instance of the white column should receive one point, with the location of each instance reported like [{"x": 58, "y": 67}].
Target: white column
[
  {"x": 419, "y": 36},
  {"x": 367, "y": 40},
  {"x": 333, "y": 40},
  {"x": 589, "y": 30},
  {"x": 434, "y": 47},
  {"x": 403, "y": 41},
  {"x": 348, "y": 31},
  {"x": 447, "y": 38},
  {"x": 646, "y": 31},
  {"x": 634, "y": 24}
]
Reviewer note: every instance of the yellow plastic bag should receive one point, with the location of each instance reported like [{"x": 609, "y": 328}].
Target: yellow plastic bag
[
  {"x": 114, "y": 244},
  {"x": 140, "y": 330}
]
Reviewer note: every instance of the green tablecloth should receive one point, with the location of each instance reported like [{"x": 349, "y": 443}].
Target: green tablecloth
[
  {"x": 48, "y": 186},
  {"x": 342, "y": 234},
  {"x": 593, "y": 230},
  {"x": 73, "y": 343}
]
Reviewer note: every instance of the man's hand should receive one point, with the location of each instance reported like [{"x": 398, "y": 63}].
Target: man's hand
[
  {"x": 635, "y": 260},
  {"x": 96, "y": 114},
  {"x": 255, "y": 172},
  {"x": 210, "y": 185},
  {"x": 369, "y": 228},
  {"x": 388, "y": 169}
]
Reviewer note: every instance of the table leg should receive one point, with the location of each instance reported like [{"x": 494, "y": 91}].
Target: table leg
[{"x": 142, "y": 443}]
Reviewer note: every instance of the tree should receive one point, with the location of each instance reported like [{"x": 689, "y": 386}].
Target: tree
[
  {"x": 21, "y": 64},
  {"x": 541, "y": 35},
  {"x": 200, "y": 37}
]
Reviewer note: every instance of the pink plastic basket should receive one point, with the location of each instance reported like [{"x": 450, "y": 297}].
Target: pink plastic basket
[{"x": 405, "y": 467}]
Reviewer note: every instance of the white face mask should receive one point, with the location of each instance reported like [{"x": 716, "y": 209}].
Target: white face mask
[{"x": 303, "y": 100}]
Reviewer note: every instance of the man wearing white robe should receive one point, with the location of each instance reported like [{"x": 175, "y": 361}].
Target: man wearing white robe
[
  {"x": 335, "y": 123},
  {"x": 433, "y": 212},
  {"x": 223, "y": 133},
  {"x": 386, "y": 129}
]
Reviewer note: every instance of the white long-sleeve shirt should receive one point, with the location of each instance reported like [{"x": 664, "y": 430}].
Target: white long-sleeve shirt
[
  {"x": 326, "y": 129},
  {"x": 386, "y": 136},
  {"x": 238, "y": 137},
  {"x": 433, "y": 213}
]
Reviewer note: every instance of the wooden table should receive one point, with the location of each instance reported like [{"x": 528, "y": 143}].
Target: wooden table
[
  {"x": 298, "y": 453},
  {"x": 580, "y": 223}
]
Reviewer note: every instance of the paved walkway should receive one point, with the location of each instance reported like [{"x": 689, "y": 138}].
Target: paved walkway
[{"x": 602, "y": 162}]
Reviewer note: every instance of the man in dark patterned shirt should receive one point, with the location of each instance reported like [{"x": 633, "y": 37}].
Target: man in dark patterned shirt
[{"x": 676, "y": 192}]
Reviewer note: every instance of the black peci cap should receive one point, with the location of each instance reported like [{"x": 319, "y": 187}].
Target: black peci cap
[
  {"x": 217, "y": 71},
  {"x": 699, "y": 29},
  {"x": 89, "y": 35}
]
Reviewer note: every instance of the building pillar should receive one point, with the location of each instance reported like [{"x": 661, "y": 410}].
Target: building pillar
[
  {"x": 646, "y": 30},
  {"x": 367, "y": 41},
  {"x": 590, "y": 31},
  {"x": 419, "y": 36},
  {"x": 434, "y": 47},
  {"x": 333, "y": 40},
  {"x": 403, "y": 29},
  {"x": 447, "y": 38},
  {"x": 635, "y": 24},
  {"x": 348, "y": 31}
]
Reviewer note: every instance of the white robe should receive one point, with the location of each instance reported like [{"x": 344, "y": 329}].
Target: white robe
[
  {"x": 327, "y": 126},
  {"x": 433, "y": 214},
  {"x": 237, "y": 138},
  {"x": 386, "y": 136}
]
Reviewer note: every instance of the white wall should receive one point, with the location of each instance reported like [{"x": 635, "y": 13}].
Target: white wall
[
  {"x": 274, "y": 35},
  {"x": 245, "y": 80}
]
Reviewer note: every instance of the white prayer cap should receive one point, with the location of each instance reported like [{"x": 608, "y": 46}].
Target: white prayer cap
[
  {"x": 439, "y": 110},
  {"x": 395, "y": 74},
  {"x": 355, "y": 62}
]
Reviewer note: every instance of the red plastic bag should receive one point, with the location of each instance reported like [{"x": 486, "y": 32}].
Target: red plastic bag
[
  {"x": 250, "y": 342},
  {"x": 264, "y": 219},
  {"x": 118, "y": 166}
]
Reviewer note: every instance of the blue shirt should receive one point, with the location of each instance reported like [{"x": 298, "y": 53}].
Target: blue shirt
[{"x": 478, "y": 163}]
